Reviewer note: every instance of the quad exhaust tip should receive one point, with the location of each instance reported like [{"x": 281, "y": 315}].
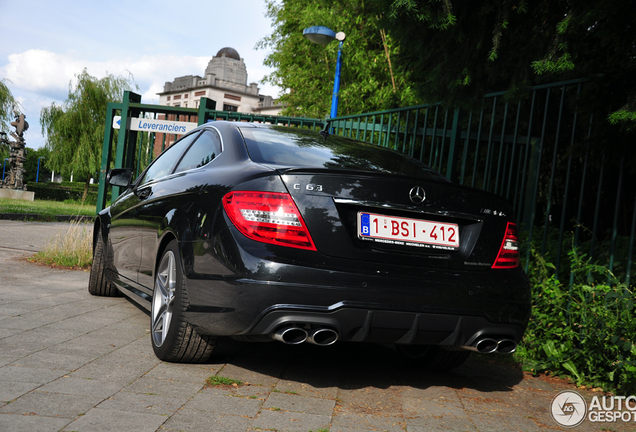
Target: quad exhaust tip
[
  {"x": 291, "y": 335},
  {"x": 297, "y": 335},
  {"x": 486, "y": 346},
  {"x": 322, "y": 337},
  {"x": 506, "y": 346},
  {"x": 489, "y": 346}
]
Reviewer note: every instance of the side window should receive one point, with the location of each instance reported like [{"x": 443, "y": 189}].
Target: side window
[
  {"x": 204, "y": 149},
  {"x": 162, "y": 166}
]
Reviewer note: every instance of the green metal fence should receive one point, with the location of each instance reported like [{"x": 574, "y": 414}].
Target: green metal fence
[{"x": 537, "y": 152}]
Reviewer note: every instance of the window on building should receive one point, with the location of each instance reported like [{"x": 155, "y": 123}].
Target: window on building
[
  {"x": 168, "y": 98},
  {"x": 177, "y": 104},
  {"x": 185, "y": 96},
  {"x": 230, "y": 108}
]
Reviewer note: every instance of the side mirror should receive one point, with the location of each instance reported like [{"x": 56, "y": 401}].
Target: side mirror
[{"x": 119, "y": 177}]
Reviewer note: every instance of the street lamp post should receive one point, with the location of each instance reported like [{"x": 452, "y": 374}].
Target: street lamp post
[
  {"x": 4, "y": 165},
  {"x": 37, "y": 176},
  {"x": 322, "y": 35}
]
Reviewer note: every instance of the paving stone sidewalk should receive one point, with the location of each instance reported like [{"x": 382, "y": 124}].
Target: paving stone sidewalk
[{"x": 73, "y": 362}]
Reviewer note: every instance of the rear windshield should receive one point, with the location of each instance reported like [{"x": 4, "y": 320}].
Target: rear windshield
[{"x": 285, "y": 147}]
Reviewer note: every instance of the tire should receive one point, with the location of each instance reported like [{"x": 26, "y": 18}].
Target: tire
[
  {"x": 173, "y": 339},
  {"x": 98, "y": 285},
  {"x": 432, "y": 357}
]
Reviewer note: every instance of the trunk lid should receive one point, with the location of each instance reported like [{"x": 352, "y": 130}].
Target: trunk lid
[{"x": 335, "y": 203}]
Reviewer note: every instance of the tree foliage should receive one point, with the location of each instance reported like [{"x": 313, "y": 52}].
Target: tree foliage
[
  {"x": 7, "y": 103},
  {"x": 75, "y": 131},
  {"x": 305, "y": 71},
  {"x": 31, "y": 165},
  {"x": 457, "y": 50}
]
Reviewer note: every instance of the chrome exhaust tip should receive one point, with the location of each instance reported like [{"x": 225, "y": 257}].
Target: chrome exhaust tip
[
  {"x": 506, "y": 346},
  {"x": 290, "y": 335},
  {"x": 486, "y": 346},
  {"x": 322, "y": 337},
  {"x": 483, "y": 346}
]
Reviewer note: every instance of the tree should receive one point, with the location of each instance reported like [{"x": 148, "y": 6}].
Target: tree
[
  {"x": 7, "y": 103},
  {"x": 305, "y": 71},
  {"x": 31, "y": 165},
  {"x": 75, "y": 131},
  {"x": 458, "y": 50}
]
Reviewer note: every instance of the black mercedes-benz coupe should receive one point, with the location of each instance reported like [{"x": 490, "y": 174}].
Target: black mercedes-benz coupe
[{"x": 264, "y": 232}]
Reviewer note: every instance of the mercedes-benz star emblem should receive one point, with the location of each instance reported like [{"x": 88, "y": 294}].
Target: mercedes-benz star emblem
[{"x": 417, "y": 195}]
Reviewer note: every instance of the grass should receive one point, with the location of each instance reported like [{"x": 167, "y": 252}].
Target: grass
[
  {"x": 216, "y": 380},
  {"x": 46, "y": 209},
  {"x": 74, "y": 249}
]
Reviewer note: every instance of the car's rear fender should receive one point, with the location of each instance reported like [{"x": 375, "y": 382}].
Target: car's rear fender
[
  {"x": 174, "y": 226},
  {"x": 101, "y": 223}
]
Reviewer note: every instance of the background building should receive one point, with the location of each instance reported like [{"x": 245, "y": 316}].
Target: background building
[{"x": 225, "y": 82}]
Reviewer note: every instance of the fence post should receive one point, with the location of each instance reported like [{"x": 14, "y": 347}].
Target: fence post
[
  {"x": 631, "y": 248},
  {"x": 531, "y": 190},
  {"x": 106, "y": 155},
  {"x": 205, "y": 104},
  {"x": 451, "y": 167},
  {"x": 123, "y": 158}
]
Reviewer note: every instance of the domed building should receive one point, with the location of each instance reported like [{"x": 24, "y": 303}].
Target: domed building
[{"x": 225, "y": 82}]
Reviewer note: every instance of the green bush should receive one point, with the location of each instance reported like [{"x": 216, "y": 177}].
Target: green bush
[
  {"x": 58, "y": 192},
  {"x": 79, "y": 186},
  {"x": 601, "y": 250},
  {"x": 585, "y": 331}
]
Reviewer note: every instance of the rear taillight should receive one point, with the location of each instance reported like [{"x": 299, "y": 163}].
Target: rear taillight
[
  {"x": 508, "y": 256},
  {"x": 268, "y": 217}
]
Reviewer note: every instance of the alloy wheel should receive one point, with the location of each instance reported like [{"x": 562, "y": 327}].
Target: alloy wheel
[{"x": 163, "y": 298}]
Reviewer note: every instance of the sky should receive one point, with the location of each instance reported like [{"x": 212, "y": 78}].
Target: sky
[{"x": 46, "y": 43}]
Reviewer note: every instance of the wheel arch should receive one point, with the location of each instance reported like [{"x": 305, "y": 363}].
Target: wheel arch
[
  {"x": 167, "y": 237},
  {"x": 174, "y": 226},
  {"x": 100, "y": 225}
]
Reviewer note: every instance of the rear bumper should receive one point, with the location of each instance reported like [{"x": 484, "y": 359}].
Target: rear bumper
[
  {"x": 386, "y": 326},
  {"x": 250, "y": 291}
]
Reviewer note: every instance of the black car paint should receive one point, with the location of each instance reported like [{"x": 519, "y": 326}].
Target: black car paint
[{"x": 237, "y": 286}]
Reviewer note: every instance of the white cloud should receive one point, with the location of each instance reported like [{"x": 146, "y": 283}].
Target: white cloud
[
  {"x": 40, "y": 71},
  {"x": 49, "y": 73}
]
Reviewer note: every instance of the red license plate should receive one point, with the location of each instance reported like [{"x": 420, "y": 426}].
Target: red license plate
[{"x": 409, "y": 232}]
